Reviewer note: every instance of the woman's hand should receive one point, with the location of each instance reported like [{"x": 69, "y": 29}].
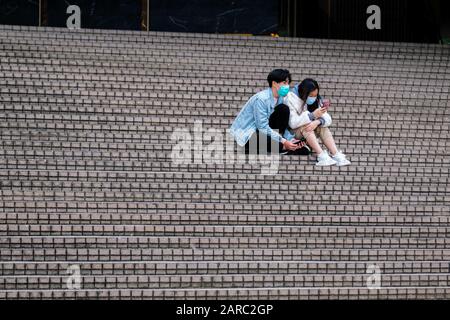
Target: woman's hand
[
  {"x": 312, "y": 126},
  {"x": 319, "y": 112}
]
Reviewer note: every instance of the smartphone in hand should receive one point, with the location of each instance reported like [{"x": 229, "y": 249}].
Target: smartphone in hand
[
  {"x": 302, "y": 140},
  {"x": 326, "y": 103}
]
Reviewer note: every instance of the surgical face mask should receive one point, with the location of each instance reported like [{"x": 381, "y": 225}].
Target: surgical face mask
[
  {"x": 283, "y": 90},
  {"x": 310, "y": 100}
]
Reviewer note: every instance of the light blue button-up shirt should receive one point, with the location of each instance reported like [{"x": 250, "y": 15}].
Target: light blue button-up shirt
[
  {"x": 255, "y": 115},
  {"x": 295, "y": 89}
]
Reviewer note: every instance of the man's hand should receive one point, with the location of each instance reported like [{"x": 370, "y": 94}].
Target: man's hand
[
  {"x": 319, "y": 112},
  {"x": 312, "y": 126},
  {"x": 292, "y": 145}
]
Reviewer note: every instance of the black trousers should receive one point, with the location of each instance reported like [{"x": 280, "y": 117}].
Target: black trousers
[{"x": 278, "y": 120}]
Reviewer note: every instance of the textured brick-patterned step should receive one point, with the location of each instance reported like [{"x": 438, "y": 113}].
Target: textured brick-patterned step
[
  {"x": 183, "y": 217},
  {"x": 262, "y": 242},
  {"x": 127, "y": 211},
  {"x": 223, "y": 281},
  {"x": 59, "y": 268},
  {"x": 248, "y": 62},
  {"x": 218, "y": 42},
  {"x": 188, "y": 177},
  {"x": 159, "y": 131},
  {"x": 135, "y": 123},
  {"x": 242, "y": 294},
  {"x": 224, "y": 189},
  {"x": 147, "y": 150},
  {"x": 76, "y": 140},
  {"x": 119, "y": 140},
  {"x": 372, "y": 255},
  {"x": 327, "y": 197},
  {"x": 227, "y": 53},
  {"x": 221, "y": 115},
  {"x": 131, "y": 89},
  {"x": 233, "y": 98},
  {"x": 205, "y": 103},
  {"x": 124, "y": 84},
  {"x": 440, "y": 161},
  {"x": 227, "y": 231}
]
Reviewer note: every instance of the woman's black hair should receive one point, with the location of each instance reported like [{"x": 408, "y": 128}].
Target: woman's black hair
[
  {"x": 305, "y": 88},
  {"x": 279, "y": 75}
]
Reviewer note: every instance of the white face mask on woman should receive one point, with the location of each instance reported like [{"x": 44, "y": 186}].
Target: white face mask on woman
[{"x": 310, "y": 100}]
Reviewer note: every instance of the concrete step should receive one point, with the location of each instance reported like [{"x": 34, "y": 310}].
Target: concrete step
[
  {"x": 331, "y": 293},
  {"x": 35, "y": 176},
  {"x": 43, "y": 268},
  {"x": 230, "y": 230},
  {"x": 288, "y": 164},
  {"x": 371, "y": 255},
  {"x": 142, "y": 211},
  {"x": 178, "y": 242},
  {"x": 222, "y": 281},
  {"x": 257, "y": 218},
  {"x": 211, "y": 197}
]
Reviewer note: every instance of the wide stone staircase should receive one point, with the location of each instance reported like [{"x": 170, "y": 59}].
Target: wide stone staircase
[{"x": 93, "y": 203}]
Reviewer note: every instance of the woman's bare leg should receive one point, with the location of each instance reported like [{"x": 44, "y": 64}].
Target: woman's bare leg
[
  {"x": 311, "y": 139},
  {"x": 313, "y": 142},
  {"x": 328, "y": 140}
]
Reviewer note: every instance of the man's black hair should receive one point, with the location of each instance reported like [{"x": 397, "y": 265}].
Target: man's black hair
[{"x": 279, "y": 75}]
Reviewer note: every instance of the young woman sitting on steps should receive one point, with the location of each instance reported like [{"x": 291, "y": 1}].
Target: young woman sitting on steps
[{"x": 309, "y": 119}]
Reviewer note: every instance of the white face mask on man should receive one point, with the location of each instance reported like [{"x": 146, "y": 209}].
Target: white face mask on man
[{"x": 283, "y": 90}]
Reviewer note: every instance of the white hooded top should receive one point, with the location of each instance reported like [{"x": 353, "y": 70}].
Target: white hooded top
[{"x": 299, "y": 114}]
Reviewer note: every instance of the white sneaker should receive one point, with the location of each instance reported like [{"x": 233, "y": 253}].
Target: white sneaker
[
  {"x": 340, "y": 159},
  {"x": 324, "y": 159}
]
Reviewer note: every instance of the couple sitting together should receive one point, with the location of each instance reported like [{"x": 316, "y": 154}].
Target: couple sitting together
[{"x": 293, "y": 119}]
